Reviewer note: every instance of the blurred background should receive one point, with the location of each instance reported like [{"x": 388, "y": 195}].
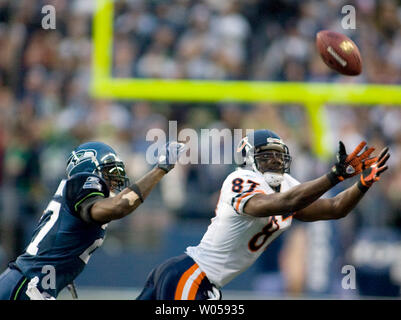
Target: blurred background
[{"x": 46, "y": 110}]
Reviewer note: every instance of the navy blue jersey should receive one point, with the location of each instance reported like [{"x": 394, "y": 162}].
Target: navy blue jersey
[{"x": 62, "y": 241}]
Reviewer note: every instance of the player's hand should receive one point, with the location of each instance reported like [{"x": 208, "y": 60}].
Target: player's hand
[
  {"x": 170, "y": 154},
  {"x": 372, "y": 174},
  {"x": 349, "y": 165}
]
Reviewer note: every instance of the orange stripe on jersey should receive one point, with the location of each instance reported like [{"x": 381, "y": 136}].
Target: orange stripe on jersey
[
  {"x": 195, "y": 286},
  {"x": 183, "y": 280},
  {"x": 238, "y": 201}
]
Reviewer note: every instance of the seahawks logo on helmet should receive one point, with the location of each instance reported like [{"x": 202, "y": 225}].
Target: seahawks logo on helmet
[{"x": 79, "y": 157}]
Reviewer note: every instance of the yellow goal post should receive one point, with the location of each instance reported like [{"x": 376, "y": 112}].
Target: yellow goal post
[{"x": 314, "y": 96}]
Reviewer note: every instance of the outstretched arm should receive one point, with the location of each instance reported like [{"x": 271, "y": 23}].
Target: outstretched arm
[
  {"x": 297, "y": 198},
  {"x": 333, "y": 208},
  {"x": 105, "y": 210},
  {"x": 342, "y": 204},
  {"x": 127, "y": 200},
  {"x": 303, "y": 195}
]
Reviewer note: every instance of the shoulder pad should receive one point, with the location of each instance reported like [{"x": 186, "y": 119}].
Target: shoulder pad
[{"x": 85, "y": 185}]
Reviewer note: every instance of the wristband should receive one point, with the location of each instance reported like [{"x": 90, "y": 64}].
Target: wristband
[
  {"x": 362, "y": 186},
  {"x": 165, "y": 167},
  {"x": 134, "y": 187},
  {"x": 333, "y": 178}
]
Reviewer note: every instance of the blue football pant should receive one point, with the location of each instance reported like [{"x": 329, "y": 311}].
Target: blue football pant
[{"x": 178, "y": 278}]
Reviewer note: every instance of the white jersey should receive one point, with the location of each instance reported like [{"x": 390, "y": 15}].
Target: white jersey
[{"x": 234, "y": 240}]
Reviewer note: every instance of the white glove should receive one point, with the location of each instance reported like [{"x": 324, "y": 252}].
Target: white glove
[
  {"x": 214, "y": 294},
  {"x": 33, "y": 292},
  {"x": 170, "y": 154}
]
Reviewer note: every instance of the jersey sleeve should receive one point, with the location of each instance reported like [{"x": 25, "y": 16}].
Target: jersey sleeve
[
  {"x": 83, "y": 188},
  {"x": 240, "y": 188}
]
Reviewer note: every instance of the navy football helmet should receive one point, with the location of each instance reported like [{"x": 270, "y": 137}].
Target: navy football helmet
[
  {"x": 100, "y": 159},
  {"x": 267, "y": 154}
]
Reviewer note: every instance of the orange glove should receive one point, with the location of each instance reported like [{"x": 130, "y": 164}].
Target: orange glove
[
  {"x": 350, "y": 165},
  {"x": 373, "y": 173}
]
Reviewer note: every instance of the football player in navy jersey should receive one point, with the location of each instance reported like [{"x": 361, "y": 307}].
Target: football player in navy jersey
[{"x": 95, "y": 192}]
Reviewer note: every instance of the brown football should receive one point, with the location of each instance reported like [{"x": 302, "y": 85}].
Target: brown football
[{"x": 339, "y": 52}]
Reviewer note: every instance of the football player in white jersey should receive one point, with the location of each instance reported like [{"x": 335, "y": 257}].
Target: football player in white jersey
[{"x": 256, "y": 204}]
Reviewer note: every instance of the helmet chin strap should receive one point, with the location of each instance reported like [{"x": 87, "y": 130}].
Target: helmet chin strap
[{"x": 273, "y": 179}]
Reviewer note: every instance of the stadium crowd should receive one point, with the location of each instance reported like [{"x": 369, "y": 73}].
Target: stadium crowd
[{"x": 45, "y": 108}]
